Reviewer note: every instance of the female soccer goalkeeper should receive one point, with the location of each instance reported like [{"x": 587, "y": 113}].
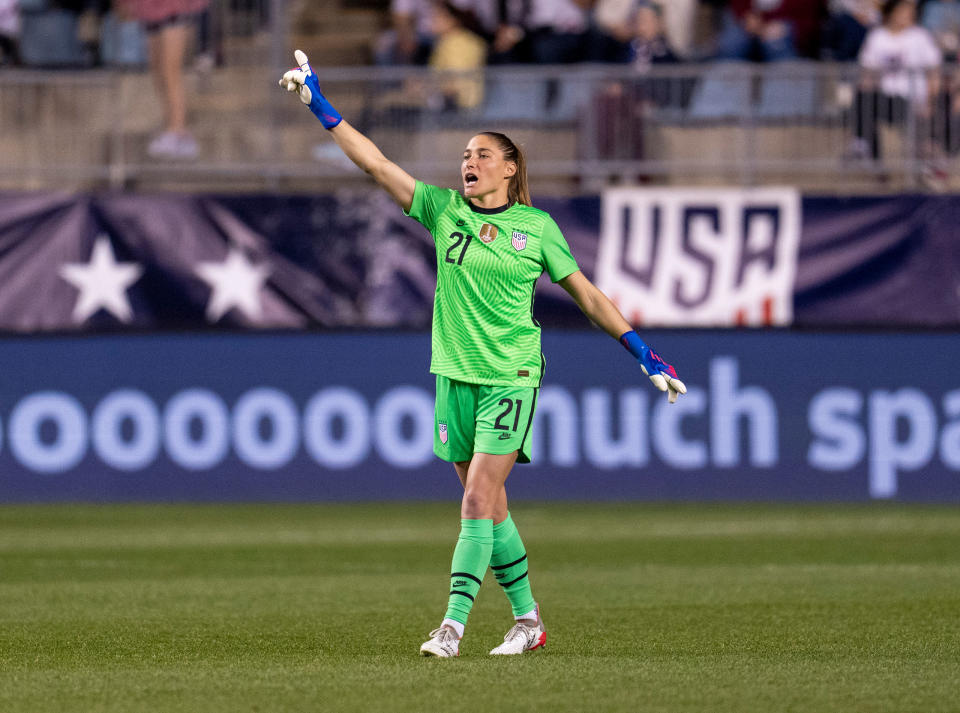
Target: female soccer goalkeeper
[{"x": 492, "y": 245}]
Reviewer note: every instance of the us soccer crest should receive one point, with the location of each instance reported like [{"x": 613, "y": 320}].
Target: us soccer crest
[
  {"x": 519, "y": 241},
  {"x": 488, "y": 232},
  {"x": 443, "y": 432}
]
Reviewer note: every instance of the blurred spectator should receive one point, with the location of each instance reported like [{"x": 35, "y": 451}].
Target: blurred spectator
[
  {"x": 942, "y": 18},
  {"x": 649, "y": 44},
  {"x": 558, "y": 31},
  {"x": 615, "y": 18},
  {"x": 847, "y": 28},
  {"x": 9, "y": 31},
  {"x": 209, "y": 52},
  {"x": 457, "y": 49},
  {"x": 410, "y": 37},
  {"x": 901, "y": 56},
  {"x": 770, "y": 30},
  {"x": 169, "y": 25},
  {"x": 679, "y": 22},
  {"x": 623, "y": 106},
  {"x": 613, "y": 29},
  {"x": 504, "y": 24}
]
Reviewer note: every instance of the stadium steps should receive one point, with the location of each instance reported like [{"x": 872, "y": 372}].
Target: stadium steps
[
  {"x": 51, "y": 134},
  {"x": 331, "y": 37},
  {"x": 334, "y": 36}
]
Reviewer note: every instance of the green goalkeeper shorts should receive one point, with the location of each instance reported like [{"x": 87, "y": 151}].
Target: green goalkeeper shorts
[{"x": 472, "y": 418}]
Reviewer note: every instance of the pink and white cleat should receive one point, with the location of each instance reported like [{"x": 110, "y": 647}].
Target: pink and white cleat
[{"x": 523, "y": 637}]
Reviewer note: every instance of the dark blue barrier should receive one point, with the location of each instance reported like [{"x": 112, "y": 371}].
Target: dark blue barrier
[
  {"x": 769, "y": 415},
  {"x": 669, "y": 256}
]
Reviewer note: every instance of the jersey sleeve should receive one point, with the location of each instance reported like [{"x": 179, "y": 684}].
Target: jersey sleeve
[
  {"x": 428, "y": 203},
  {"x": 557, "y": 258}
]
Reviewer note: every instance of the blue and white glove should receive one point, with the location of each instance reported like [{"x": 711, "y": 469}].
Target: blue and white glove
[
  {"x": 303, "y": 80},
  {"x": 663, "y": 376}
]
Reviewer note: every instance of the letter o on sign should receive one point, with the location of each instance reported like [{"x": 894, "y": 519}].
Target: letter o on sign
[
  {"x": 396, "y": 448},
  {"x": 280, "y": 411},
  {"x": 208, "y": 410},
  {"x": 142, "y": 448},
  {"x": 69, "y": 444},
  {"x": 351, "y": 447}
]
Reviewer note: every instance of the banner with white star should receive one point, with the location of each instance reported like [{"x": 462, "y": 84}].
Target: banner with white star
[{"x": 119, "y": 262}]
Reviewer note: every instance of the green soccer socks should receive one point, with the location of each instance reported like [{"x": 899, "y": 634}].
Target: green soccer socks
[
  {"x": 470, "y": 560},
  {"x": 509, "y": 565}
]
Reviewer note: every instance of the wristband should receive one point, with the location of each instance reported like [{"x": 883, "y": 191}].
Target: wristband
[
  {"x": 321, "y": 108},
  {"x": 651, "y": 362},
  {"x": 632, "y": 343}
]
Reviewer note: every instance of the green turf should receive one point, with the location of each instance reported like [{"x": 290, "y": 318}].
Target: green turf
[{"x": 323, "y": 608}]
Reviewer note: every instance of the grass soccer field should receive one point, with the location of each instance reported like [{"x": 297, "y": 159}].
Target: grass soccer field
[{"x": 661, "y": 608}]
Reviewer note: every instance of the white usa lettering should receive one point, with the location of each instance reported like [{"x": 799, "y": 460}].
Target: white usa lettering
[{"x": 700, "y": 257}]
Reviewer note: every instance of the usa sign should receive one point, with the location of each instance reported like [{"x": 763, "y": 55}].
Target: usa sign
[{"x": 700, "y": 257}]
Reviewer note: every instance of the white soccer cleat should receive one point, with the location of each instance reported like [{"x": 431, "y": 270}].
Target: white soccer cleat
[
  {"x": 523, "y": 637},
  {"x": 443, "y": 643}
]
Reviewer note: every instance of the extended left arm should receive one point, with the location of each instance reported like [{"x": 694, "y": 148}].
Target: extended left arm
[
  {"x": 604, "y": 313},
  {"x": 596, "y": 305}
]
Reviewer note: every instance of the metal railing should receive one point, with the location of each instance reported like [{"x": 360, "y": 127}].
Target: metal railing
[{"x": 821, "y": 126}]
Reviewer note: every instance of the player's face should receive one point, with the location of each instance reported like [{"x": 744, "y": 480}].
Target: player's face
[{"x": 484, "y": 169}]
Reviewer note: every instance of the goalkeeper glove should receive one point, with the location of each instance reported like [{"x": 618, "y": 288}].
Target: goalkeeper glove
[
  {"x": 303, "y": 81},
  {"x": 663, "y": 376}
]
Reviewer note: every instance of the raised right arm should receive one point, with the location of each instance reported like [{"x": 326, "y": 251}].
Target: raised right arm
[
  {"x": 363, "y": 152},
  {"x": 357, "y": 147}
]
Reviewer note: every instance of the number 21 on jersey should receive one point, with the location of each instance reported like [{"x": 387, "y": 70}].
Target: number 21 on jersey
[{"x": 458, "y": 248}]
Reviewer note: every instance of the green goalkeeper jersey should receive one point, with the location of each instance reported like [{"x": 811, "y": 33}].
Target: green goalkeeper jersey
[{"x": 488, "y": 262}]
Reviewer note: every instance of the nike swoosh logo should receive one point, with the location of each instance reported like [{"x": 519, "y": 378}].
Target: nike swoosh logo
[{"x": 505, "y": 436}]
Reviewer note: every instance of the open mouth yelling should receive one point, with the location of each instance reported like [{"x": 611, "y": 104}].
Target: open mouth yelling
[{"x": 470, "y": 180}]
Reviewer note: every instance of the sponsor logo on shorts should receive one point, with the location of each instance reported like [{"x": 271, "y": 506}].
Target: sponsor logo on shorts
[
  {"x": 505, "y": 436},
  {"x": 461, "y": 222},
  {"x": 443, "y": 432},
  {"x": 460, "y": 583},
  {"x": 519, "y": 240},
  {"x": 488, "y": 232}
]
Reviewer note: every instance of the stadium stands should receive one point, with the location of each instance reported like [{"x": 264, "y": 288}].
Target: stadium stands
[{"x": 584, "y": 125}]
